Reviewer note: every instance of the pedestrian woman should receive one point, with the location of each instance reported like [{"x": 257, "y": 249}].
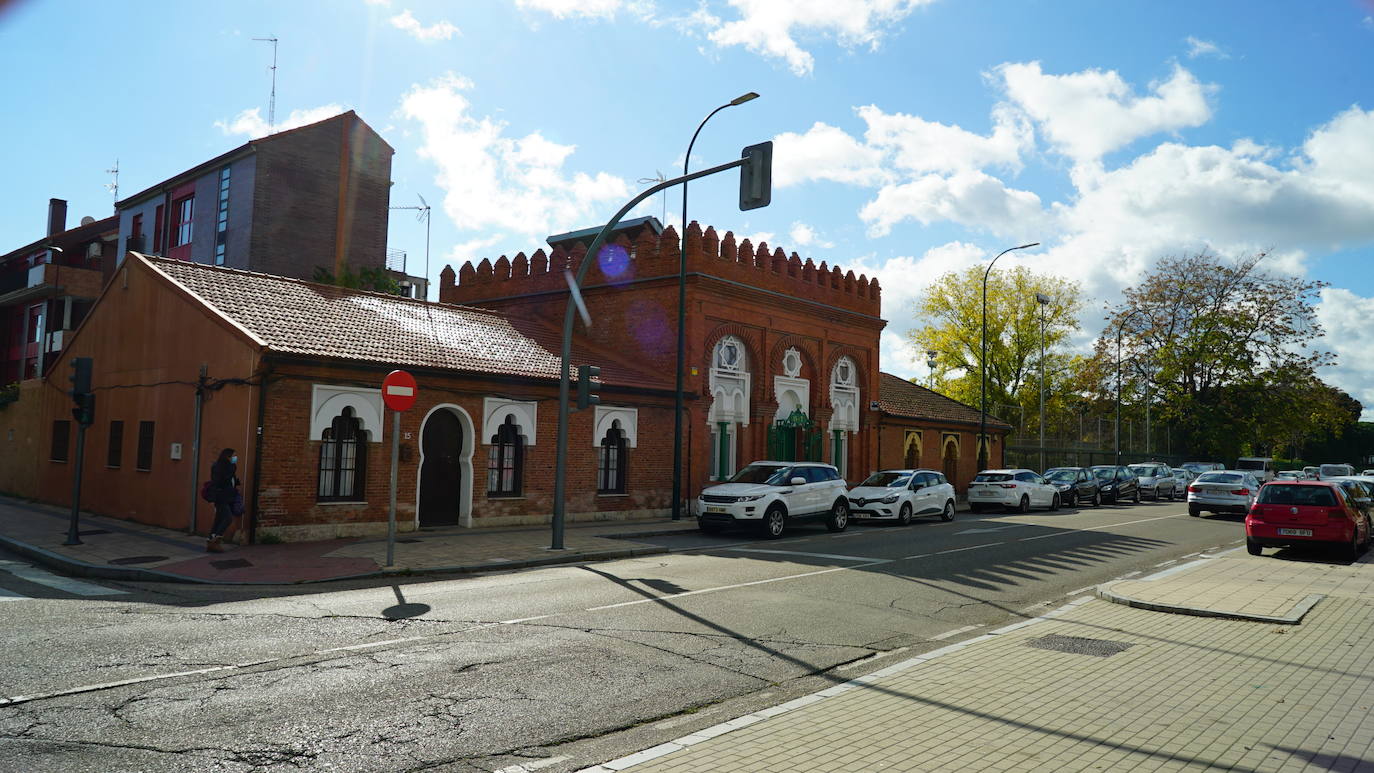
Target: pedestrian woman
[{"x": 224, "y": 485}]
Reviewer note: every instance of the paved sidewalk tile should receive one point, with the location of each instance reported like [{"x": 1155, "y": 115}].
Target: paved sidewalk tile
[
  {"x": 1188, "y": 694},
  {"x": 1244, "y": 584}
]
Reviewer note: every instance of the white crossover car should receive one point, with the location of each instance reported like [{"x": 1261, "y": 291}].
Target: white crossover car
[
  {"x": 901, "y": 495},
  {"x": 1016, "y": 489},
  {"x": 1224, "y": 491},
  {"x": 770, "y": 494}
]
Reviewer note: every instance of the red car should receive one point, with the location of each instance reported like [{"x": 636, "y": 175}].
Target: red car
[{"x": 1302, "y": 512}]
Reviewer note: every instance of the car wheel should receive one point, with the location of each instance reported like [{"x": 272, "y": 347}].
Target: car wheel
[
  {"x": 948, "y": 513},
  {"x": 1194, "y": 510},
  {"x": 1137, "y": 497},
  {"x": 904, "y": 515},
  {"x": 1253, "y": 548},
  {"x": 1097, "y": 499},
  {"x": 838, "y": 519},
  {"x": 774, "y": 522},
  {"x": 1054, "y": 503},
  {"x": 707, "y": 527},
  {"x": 1352, "y": 550},
  {"x": 1024, "y": 506}
]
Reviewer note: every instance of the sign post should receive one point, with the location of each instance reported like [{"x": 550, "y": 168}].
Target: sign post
[{"x": 398, "y": 392}]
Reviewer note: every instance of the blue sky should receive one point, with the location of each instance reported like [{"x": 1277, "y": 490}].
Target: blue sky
[{"x": 912, "y": 137}]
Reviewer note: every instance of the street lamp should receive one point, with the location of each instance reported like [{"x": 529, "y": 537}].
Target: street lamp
[
  {"x": 930, "y": 363},
  {"x": 682, "y": 312},
  {"x": 1119, "y": 325},
  {"x": 1043, "y": 300},
  {"x": 983, "y": 362}
]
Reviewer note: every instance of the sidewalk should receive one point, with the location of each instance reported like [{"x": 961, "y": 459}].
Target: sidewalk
[
  {"x": 124, "y": 550},
  {"x": 1099, "y": 685}
]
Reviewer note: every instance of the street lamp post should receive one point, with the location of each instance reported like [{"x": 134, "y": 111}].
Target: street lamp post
[
  {"x": 1117, "y": 433},
  {"x": 682, "y": 313},
  {"x": 1043, "y": 300},
  {"x": 930, "y": 363},
  {"x": 983, "y": 363}
]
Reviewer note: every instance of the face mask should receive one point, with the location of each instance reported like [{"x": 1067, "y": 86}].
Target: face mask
[{"x": 233, "y": 460}]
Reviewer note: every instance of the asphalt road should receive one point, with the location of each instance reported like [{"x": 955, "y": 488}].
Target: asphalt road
[{"x": 575, "y": 664}]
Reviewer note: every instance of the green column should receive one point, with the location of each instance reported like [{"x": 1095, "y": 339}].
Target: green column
[
  {"x": 838, "y": 451},
  {"x": 723, "y": 451}
]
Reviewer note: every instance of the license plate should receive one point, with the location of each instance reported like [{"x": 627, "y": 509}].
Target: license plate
[
  {"x": 717, "y": 510},
  {"x": 1295, "y": 532}
]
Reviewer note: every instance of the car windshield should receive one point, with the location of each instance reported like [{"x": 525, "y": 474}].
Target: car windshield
[
  {"x": 1219, "y": 477},
  {"x": 1328, "y": 470},
  {"x": 991, "y": 477},
  {"x": 1062, "y": 475},
  {"x": 888, "y": 479},
  {"x": 760, "y": 473},
  {"x": 1250, "y": 464},
  {"x": 1196, "y": 467},
  {"x": 1104, "y": 473},
  {"x": 1309, "y": 495},
  {"x": 1143, "y": 470}
]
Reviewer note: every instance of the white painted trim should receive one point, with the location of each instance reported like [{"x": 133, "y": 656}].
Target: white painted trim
[
  {"x": 464, "y": 463},
  {"x": 328, "y": 401},
  {"x": 496, "y": 409},
  {"x": 800, "y": 387},
  {"x": 629, "y": 423}
]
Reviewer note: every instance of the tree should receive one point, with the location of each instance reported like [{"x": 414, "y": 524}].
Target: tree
[
  {"x": 950, "y": 313},
  {"x": 367, "y": 278},
  {"x": 1227, "y": 351}
]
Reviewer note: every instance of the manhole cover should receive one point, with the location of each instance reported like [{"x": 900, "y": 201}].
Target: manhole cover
[
  {"x": 409, "y": 541},
  {"x": 137, "y": 560},
  {"x": 1077, "y": 645},
  {"x": 233, "y": 563},
  {"x": 90, "y": 532}
]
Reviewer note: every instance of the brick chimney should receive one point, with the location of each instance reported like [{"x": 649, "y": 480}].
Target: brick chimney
[{"x": 57, "y": 216}]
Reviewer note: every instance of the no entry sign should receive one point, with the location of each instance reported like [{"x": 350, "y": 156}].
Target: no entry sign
[{"x": 398, "y": 390}]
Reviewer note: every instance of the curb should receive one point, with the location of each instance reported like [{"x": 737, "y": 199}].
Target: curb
[
  {"x": 1294, "y": 616},
  {"x": 136, "y": 574}
]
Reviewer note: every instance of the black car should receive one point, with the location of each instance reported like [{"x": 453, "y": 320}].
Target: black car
[
  {"x": 1075, "y": 484},
  {"x": 1117, "y": 483}
]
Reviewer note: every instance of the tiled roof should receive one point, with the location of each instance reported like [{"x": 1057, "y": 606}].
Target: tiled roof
[
  {"x": 899, "y": 397},
  {"x": 305, "y": 318}
]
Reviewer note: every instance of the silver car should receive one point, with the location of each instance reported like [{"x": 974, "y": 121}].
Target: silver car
[
  {"x": 1156, "y": 480},
  {"x": 1225, "y": 491}
]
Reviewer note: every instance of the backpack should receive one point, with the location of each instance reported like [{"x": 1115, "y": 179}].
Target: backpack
[{"x": 207, "y": 491}]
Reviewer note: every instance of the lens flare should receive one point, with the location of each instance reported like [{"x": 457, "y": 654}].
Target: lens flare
[
  {"x": 614, "y": 261},
  {"x": 647, "y": 324}
]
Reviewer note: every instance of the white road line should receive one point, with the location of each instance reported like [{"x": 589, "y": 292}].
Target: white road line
[
  {"x": 9, "y": 595},
  {"x": 1099, "y": 528},
  {"x": 736, "y": 585},
  {"x": 970, "y": 547},
  {"x": 800, "y": 553},
  {"x": 954, "y": 632},
  {"x": 43, "y": 577}
]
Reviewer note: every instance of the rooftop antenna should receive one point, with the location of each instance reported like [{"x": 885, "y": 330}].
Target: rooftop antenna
[
  {"x": 113, "y": 186},
  {"x": 422, "y": 214},
  {"x": 663, "y": 197},
  {"x": 272, "y": 101}
]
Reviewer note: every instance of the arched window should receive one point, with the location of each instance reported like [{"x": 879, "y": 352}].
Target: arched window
[
  {"x": 506, "y": 460},
  {"x": 729, "y": 386},
  {"x": 343, "y": 460},
  {"x": 612, "y": 459},
  {"x": 911, "y": 456}
]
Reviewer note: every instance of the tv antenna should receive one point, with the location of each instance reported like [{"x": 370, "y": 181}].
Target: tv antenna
[
  {"x": 113, "y": 185},
  {"x": 422, "y": 211},
  {"x": 663, "y": 196},
  {"x": 272, "y": 100}
]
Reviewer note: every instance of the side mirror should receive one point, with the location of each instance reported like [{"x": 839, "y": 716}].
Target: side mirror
[
  {"x": 797, "y": 481},
  {"x": 916, "y": 487}
]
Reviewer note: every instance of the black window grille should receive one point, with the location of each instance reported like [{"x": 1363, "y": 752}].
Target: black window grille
[
  {"x": 343, "y": 460},
  {"x": 506, "y": 461},
  {"x": 611, "y": 462},
  {"x": 114, "y": 455},
  {"x": 61, "y": 440},
  {"x": 145, "y": 446}
]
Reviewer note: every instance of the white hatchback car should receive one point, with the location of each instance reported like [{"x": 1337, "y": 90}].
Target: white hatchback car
[
  {"x": 1017, "y": 489},
  {"x": 1223, "y": 491},
  {"x": 902, "y": 494},
  {"x": 769, "y": 494},
  {"x": 1156, "y": 479}
]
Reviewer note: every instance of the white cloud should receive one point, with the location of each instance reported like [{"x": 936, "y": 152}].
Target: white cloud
[
  {"x": 824, "y": 152},
  {"x": 899, "y": 357},
  {"x": 562, "y": 9},
  {"x": 803, "y": 235},
  {"x": 972, "y": 199},
  {"x": 251, "y": 123},
  {"x": 379, "y": 3},
  {"x": 492, "y": 181},
  {"x": 406, "y": 22},
  {"x": 767, "y": 27},
  {"x": 918, "y": 145},
  {"x": 756, "y": 237},
  {"x": 1088, "y": 114},
  {"x": 1345, "y": 317},
  {"x": 1198, "y": 47}
]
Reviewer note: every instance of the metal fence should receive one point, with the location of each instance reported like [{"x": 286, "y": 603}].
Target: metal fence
[
  {"x": 1028, "y": 456},
  {"x": 1086, "y": 438}
]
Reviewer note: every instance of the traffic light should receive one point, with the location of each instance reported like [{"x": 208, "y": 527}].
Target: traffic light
[
  {"x": 585, "y": 398},
  {"x": 756, "y": 176},
  {"x": 80, "y": 377},
  {"x": 84, "y": 409}
]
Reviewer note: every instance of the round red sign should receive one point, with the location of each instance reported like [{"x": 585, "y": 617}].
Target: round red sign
[{"x": 398, "y": 390}]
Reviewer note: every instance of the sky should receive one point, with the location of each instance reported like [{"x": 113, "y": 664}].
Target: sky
[{"x": 912, "y": 137}]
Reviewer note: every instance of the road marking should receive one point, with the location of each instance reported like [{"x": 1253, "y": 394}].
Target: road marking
[
  {"x": 970, "y": 547},
  {"x": 9, "y": 595},
  {"x": 954, "y": 632},
  {"x": 736, "y": 585},
  {"x": 43, "y": 577},
  {"x": 1099, "y": 528},
  {"x": 799, "y": 553},
  {"x": 995, "y": 528}
]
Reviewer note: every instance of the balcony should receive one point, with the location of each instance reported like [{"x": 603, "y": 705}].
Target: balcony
[{"x": 48, "y": 279}]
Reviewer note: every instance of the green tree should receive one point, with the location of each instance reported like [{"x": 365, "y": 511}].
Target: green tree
[
  {"x": 950, "y": 314},
  {"x": 367, "y": 278}
]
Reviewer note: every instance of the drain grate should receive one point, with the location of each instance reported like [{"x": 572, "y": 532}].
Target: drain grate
[
  {"x": 233, "y": 563},
  {"x": 1077, "y": 645},
  {"x": 137, "y": 560}
]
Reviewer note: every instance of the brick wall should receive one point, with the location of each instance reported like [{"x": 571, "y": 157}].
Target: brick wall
[{"x": 892, "y": 446}]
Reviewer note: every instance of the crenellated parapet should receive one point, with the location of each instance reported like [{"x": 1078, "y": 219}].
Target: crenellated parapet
[{"x": 656, "y": 256}]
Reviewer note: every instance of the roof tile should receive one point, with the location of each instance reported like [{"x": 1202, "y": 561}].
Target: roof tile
[{"x": 899, "y": 397}]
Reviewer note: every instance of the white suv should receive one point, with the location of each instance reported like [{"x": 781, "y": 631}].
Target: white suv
[
  {"x": 769, "y": 494},
  {"x": 1015, "y": 489}
]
